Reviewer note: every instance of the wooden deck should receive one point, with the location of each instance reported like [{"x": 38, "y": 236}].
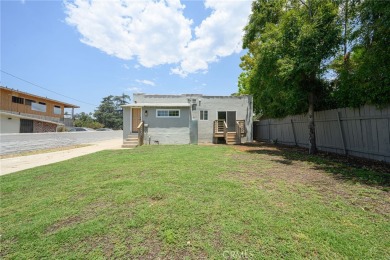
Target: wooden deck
[{"x": 220, "y": 130}]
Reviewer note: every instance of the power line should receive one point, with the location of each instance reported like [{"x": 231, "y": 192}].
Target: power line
[{"x": 29, "y": 82}]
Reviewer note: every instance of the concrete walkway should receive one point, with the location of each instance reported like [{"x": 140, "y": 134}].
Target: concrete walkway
[{"x": 15, "y": 164}]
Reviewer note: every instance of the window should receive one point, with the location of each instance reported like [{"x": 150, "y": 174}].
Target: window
[
  {"x": 204, "y": 115},
  {"x": 57, "y": 110},
  {"x": 17, "y": 100},
  {"x": 41, "y": 107},
  {"x": 28, "y": 102},
  {"x": 168, "y": 113}
]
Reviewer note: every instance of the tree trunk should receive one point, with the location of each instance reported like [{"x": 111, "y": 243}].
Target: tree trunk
[
  {"x": 312, "y": 132},
  {"x": 345, "y": 29}
]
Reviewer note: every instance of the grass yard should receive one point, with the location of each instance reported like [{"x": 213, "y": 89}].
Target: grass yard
[{"x": 192, "y": 202}]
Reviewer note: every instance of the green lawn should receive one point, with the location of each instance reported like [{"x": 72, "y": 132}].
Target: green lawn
[{"x": 189, "y": 202}]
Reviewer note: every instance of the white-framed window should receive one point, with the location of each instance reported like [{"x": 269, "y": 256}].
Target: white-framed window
[
  {"x": 204, "y": 115},
  {"x": 168, "y": 113}
]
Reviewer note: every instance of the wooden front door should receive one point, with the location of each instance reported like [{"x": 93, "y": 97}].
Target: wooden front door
[{"x": 135, "y": 119}]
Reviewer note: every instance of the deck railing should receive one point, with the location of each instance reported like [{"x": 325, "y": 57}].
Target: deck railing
[
  {"x": 219, "y": 126},
  {"x": 221, "y": 129},
  {"x": 34, "y": 116},
  {"x": 238, "y": 132},
  {"x": 241, "y": 124},
  {"x": 141, "y": 133},
  {"x": 225, "y": 129}
]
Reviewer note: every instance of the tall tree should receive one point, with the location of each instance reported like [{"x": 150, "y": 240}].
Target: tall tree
[
  {"x": 121, "y": 100},
  {"x": 289, "y": 42},
  {"x": 109, "y": 112},
  {"x": 363, "y": 73}
]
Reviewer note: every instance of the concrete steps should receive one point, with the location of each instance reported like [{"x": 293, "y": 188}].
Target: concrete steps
[{"x": 130, "y": 142}]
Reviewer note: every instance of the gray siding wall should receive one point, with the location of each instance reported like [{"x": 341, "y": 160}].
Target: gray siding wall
[
  {"x": 126, "y": 122},
  {"x": 243, "y": 105},
  {"x": 362, "y": 132},
  {"x": 167, "y": 130}
]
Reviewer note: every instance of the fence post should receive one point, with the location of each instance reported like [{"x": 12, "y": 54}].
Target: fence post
[
  {"x": 341, "y": 132},
  {"x": 295, "y": 139},
  {"x": 269, "y": 130}
]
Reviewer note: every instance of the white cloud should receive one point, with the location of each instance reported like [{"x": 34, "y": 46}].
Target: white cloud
[
  {"x": 146, "y": 82},
  {"x": 157, "y": 32},
  {"x": 126, "y": 66},
  {"x": 134, "y": 89}
]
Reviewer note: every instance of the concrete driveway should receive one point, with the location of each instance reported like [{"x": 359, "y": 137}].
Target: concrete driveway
[{"x": 15, "y": 164}]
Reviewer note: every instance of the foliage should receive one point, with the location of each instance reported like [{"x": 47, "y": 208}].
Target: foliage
[
  {"x": 288, "y": 43},
  {"x": 110, "y": 113},
  {"x": 293, "y": 46},
  {"x": 86, "y": 120},
  {"x": 124, "y": 205},
  {"x": 363, "y": 75}
]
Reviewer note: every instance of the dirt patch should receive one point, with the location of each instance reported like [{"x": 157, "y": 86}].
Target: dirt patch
[
  {"x": 360, "y": 163},
  {"x": 266, "y": 166},
  {"x": 96, "y": 208},
  {"x": 67, "y": 222}
]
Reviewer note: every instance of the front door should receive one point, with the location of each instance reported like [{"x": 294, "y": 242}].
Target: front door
[{"x": 135, "y": 119}]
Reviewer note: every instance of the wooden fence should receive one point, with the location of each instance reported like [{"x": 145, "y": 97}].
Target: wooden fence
[{"x": 362, "y": 132}]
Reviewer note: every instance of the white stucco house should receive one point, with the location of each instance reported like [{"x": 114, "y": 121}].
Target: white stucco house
[{"x": 187, "y": 119}]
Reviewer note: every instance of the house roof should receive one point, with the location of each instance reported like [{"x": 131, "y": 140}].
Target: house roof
[
  {"x": 158, "y": 105},
  {"x": 66, "y": 105}
]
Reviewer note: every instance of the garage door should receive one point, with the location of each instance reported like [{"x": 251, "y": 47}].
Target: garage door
[{"x": 26, "y": 126}]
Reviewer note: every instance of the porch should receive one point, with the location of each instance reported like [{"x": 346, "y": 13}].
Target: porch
[{"x": 230, "y": 135}]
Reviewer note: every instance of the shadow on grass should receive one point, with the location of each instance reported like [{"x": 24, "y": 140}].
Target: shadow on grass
[{"x": 342, "y": 167}]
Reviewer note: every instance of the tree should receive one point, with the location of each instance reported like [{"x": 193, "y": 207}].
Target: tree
[
  {"x": 86, "y": 120},
  {"x": 109, "y": 113},
  {"x": 288, "y": 45},
  {"x": 363, "y": 74}
]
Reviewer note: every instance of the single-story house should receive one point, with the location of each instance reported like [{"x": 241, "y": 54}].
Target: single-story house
[{"x": 187, "y": 119}]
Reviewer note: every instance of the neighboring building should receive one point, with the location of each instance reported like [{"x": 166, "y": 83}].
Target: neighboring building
[
  {"x": 187, "y": 119},
  {"x": 22, "y": 112}
]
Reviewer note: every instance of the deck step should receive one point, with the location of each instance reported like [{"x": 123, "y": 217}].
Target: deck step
[{"x": 231, "y": 138}]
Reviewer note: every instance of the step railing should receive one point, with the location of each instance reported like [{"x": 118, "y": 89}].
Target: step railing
[
  {"x": 218, "y": 126},
  {"x": 238, "y": 133},
  {"x": 241, "y": 124},
  {"x": 141, "y": 133},
  {"x": 225, "y": 131}
]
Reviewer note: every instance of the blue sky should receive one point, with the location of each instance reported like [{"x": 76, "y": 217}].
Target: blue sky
[{"x": 87, "y": 50}]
